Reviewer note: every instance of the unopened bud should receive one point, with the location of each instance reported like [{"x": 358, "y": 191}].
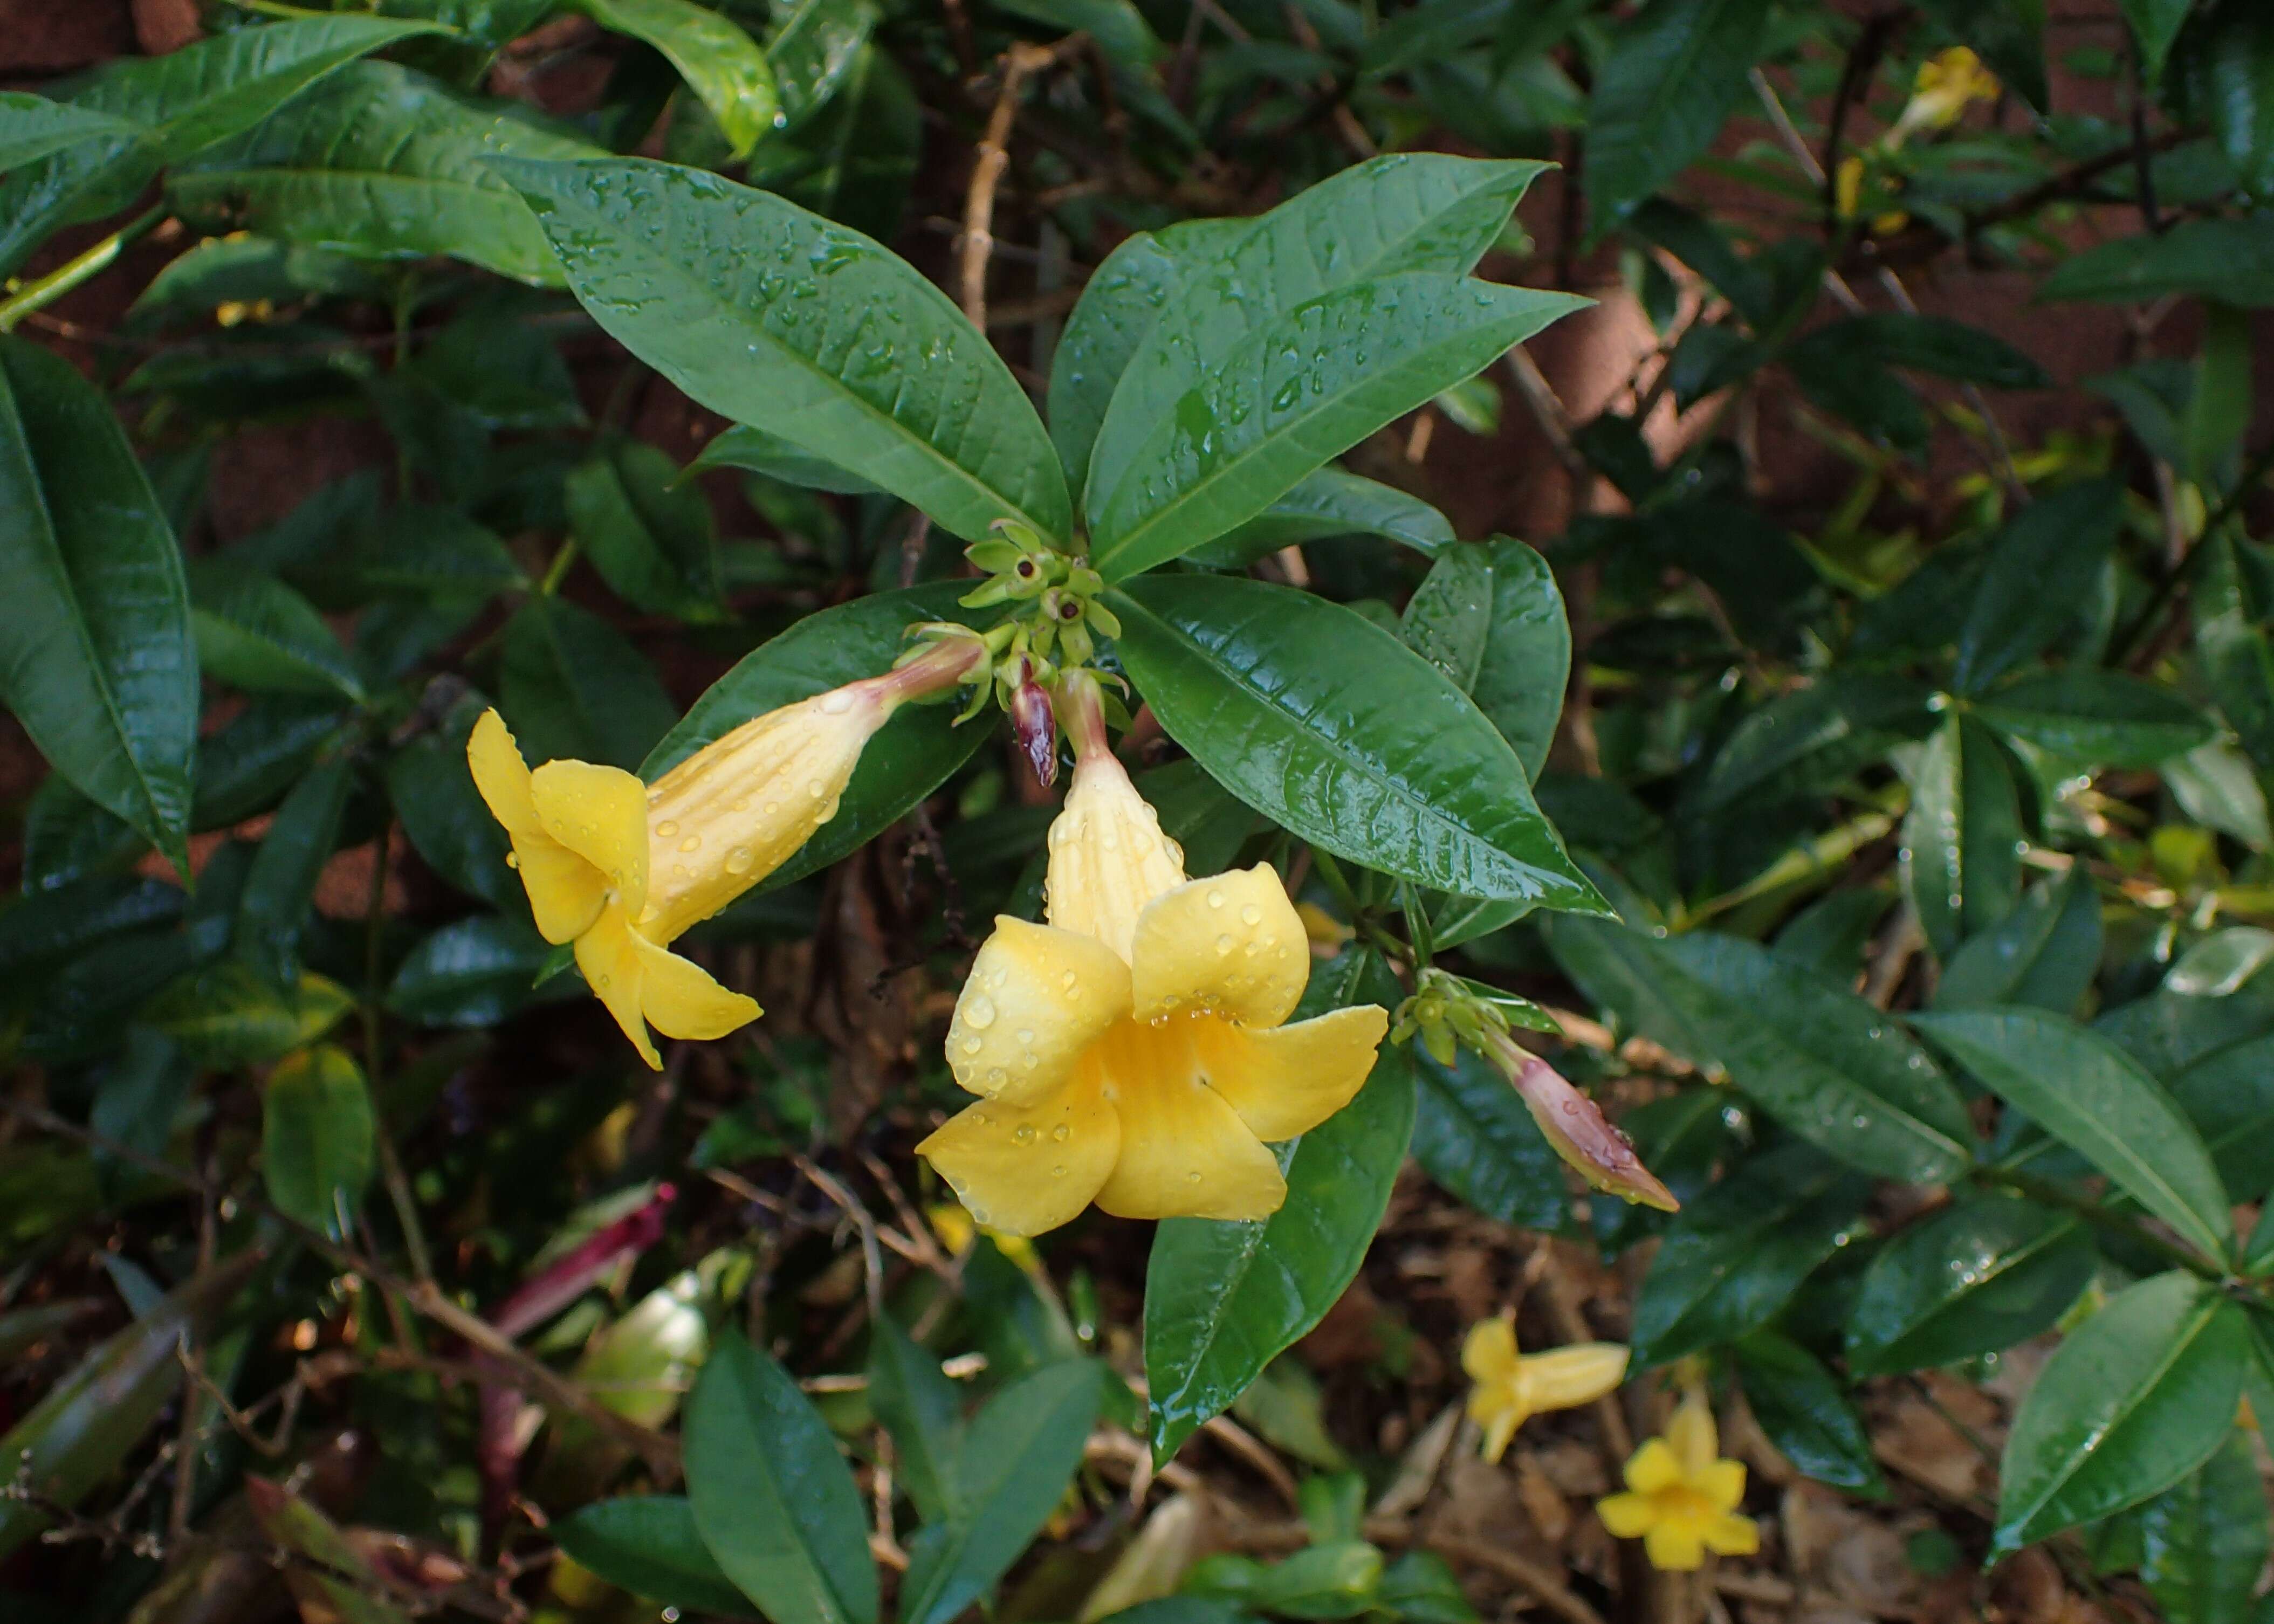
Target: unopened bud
[
  {"x": 1579, "y": 1132},
  {"x": 1036, "y": 727}
]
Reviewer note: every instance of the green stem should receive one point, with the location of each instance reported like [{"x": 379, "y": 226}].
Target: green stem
[
  {"x": 83, "y": 268},
  {"x": 558, "y": 571},
  {"x": 390, "y": 1164},
  {"x": 2052, "y": 1194}
]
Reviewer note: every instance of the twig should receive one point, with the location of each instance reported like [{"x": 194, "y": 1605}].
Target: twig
[
  {"x": 1021, "y": 61},
  {"x": 1251, "y": 1450},
  {"x": 864, "y": 1221},
  {"x": 81, "y": 269}
]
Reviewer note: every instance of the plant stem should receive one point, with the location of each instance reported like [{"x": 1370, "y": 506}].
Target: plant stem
[
  {"x": 82, "y": 268},
  {"x": 2053, "y": 1194},
  {"x": 390, "y": 1164}
]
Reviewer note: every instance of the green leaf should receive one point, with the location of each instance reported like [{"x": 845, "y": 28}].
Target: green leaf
[
  {"x": 383, "y": 162},
  {"x": 1328, "y": 503},
  {"x": 2231, "y": 69},
  {"x": 2230, "y": 640},
  {"x": 919, "y": 1407},
  {"x": 2156, "y": 24},
  {"x": 255, "y": 631},
  {"x": 2229, "y": 1096},
  {"x": 719, "y": 61},
  {"x": 773, "y": 1498},
  {"x": 445, "y": 818},
  {"x": 647, "y": 1544},
  {"x": 2094, "y": 1098},
  {"x": 1474, "y": 1135},
  {"x": 1978, "y": 1277},
  {"x": 650, "y": 536},
  {"x": 1827, "y": 1064},
  {"x": 854, "y": 159},
  {"x": 280, "y": 886},
  {"x": 96, "y": 655},
  {"x": 1527, "y": 655},
  {"x": 1804, "y": 1414},
  {"x": 2009, "y": 37},
  {"x": 2042, "y": 566},
  {"x": 2133, "y": 1399},
  {"x": 31, "y": 127},
  {"x": 1018, "y": 1456},
  {"x": 2231, "y": 260},
  {"x": 2220, "y": 404},
  {"x": 2221, "y": 962},
  {"x": 2102, "y": 718},
  {"x": 228, "y": 1014},
  {"x": 1284, "y": 399},
  {"x": 1961, "y": 837},
  {"x": 779, "y": 319},
  {"x": 759, "y": 452},
  {"x": 1329, "y": 725},
  {"x": 1734, "y": 1256},
  {"x": 1223, "y": 1300},
  {"x": 914, "y": 754},
  {"x": 474, "y": 972},
  {"x": 1813, "y": 737},
  {"x": 2215, "y": 785},
  {"x": 2044, "y": 953},
  {"x": 817, "y": 46},
  {"x": 1187, "y": 308},
  {"x": 316, "y": 1139},
  {"x": 1932, "y": 344},
  {"x": 1675, "y": 72},
  {"x": 572, "y": 686},
  {"x": 2205, "y": 1540},
  {"x": 1449, "y": 615}
]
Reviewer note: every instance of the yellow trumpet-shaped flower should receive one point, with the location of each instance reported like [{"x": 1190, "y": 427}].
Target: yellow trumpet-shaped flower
[
  {"x": 1133, "y": 1051},
  {"x": 1512, "y": 1387},
  {"x": 1948, "y": 84},
  {"x": 1681, "y": 1497},
  {"x": 622, "y": 868}
]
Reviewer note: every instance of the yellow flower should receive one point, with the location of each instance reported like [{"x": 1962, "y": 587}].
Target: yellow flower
[
  {"x": 953, "y": 1225},
  {"x": 1682, "y": 1497},
  {"x": 622, "y": 868},
  {"x": 1511, "y": 1386},
  {"x": 1132, "y": 1051},
  {"x": 1946, "y": 85}
]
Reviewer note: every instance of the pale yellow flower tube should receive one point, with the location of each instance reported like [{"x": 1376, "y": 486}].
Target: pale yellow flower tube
[
  {"x": 1133, "y": 1050},
  {"x": 620, "y": 868},
  {"x": 1512, "y": 1387}
]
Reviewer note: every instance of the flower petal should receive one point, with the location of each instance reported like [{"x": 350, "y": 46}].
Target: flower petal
[
  {"x": 1023, "y": 1170},
  {"x": 1185, "y": 1153},
  {"x": 565, "y": 893},
  {"x": 1722, "y": 1484},
  {"x": 1036, "y": 997},
  {"x": 1500, "y": 1430},
  {"x": 1578, "y": 1374},
  {"x": 1108, "y": 855},
  {"x": 608, "y": 954},
  {"x": 600, "y": 814},
  {"x": 1728, "y": 1535},
  {"x": 1230, "y": 942},
  {"x": 1691, "y": 1434},
  {"x": 1653, "y": 1468},
  {"x": 1286, "y": 1080},
  {"x": 681, "y": 1000},
  {"x": 1673, "y": 1545},
  {"x": 1488, "y": 1352},
  {"x": 1628, "y": 1516}
]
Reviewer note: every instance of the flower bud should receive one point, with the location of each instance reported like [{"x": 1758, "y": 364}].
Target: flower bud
[
  {"x": 1581, "y": 1134},
  {"x": 1036, "y": 724}
]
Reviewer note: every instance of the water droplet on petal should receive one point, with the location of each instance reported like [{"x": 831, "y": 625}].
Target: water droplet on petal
[
  {"x": 1215, "y": 898},
  {"x": 739, "y": 860},
  {"x": 665, "y": 830},
  {"x": 979, "y": 1013},
  {"x": 1251, "y": 915},
  {"x": 1061, "y": 1133},
  {"x": 1024, "y": 1133}
]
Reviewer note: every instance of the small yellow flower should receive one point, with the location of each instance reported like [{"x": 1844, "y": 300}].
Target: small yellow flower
[
  {"x": 622, "y": 868},
  {"x": 1511, "y": 1388},
  {"x": 1133, "y": 1050},
  {"x": 1682, "y": 1497},
  {"x": 1948, "y": 84},
  {"x": 952, "y": 1223}
]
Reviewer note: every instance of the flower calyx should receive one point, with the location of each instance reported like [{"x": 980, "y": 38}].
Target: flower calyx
[{"x": 1447, "y": 1010}]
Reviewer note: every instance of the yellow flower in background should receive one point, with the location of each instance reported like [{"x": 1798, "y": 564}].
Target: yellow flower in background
[
  {"x": 1682, "y": 1497},
  {"x": 1512, "y": 1387},
  {"x": 1133, "y": 1050},
  {"x": 1948, "y": 84},
  {"x": 622, "y": 868}
]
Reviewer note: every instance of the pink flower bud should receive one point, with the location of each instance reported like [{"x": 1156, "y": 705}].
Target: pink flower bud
[
  {"x": 1582, "y": 1135},
  {"x": 1036, "y": 727}
]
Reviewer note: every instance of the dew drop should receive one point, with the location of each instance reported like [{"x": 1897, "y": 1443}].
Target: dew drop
[
  {"x": 1061, "y": 1133},
  {"x": 1068, "y": 981},
  {"x": 739, "y": 860},
  {"x": 979, "y": 1014},
  {"x": 692, "y": 843},
  {"x": 742, "y": 803},
  {"x": 973, "y": 1045},
  {"x": 1223, "y": 944},
  {"x": 665, "y": 830},
  {"x": 1026, "y": 1036},
  {"x": 1023, "y": 1134},
  {"x": 837, "y": 703},
  {"x": 1251, "y": 915},
  {"x": 1215, "y": 898},
  {"x": 1059, "y": 1171},
  {"x": 513, "y": 859},
  {"x": 1192, "y": 1177},
  {"x": 816, "y": 788}
]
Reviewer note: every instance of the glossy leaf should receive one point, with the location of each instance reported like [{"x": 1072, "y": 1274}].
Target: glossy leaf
[
  {"x": 1329, "y": 725},
  {"x": 2044, "y": 953},
  {"x": 914, "y": 754},
  {"x": 473, "y": 972},
  {"x": 2238, "y": 659},
  {"x": 920, "y": 1408},
  {"x": 1813, "y": 737},
  {"x": 1734, "y": 1256},
  {"x": 1474, "y": 1136},
  {"x": 231, "y": 1014},
  {"x": 2041, "y": 567},
  {"x": 1961, "y": 837},
  {"x": 445, "y": 818},
  {"x": 316, "y": 1139},
  {"x": 1449, "y": 615},
  {"x": 2133, "y": 1401},
  {"x": 1329, "y": 503},
  {"x": 1676, "y": 73},
  {"x": 31, "y": 127},
  {"x": 1804, "y": 1414},
  {"x": 1527, "y": 655},
  {"x": 1980, "y": 1277},
  {"x": 257, "y": 633},
  {"x": 2231, "y": 260},
  {"x": 2205, "y": 1539},
  {"x": 651, "y": 538},
  {"x": 571, "y": 686},
  {"x": 280, "y": 885},
  {"x": 2222, "y": 962},
  {"x": 384, "y": 164},
  {"x": 760, "y": 452},
  {"x": 1287, "y": 396},
  {"x": 812, "y": 52},
  {"x": 647, "y": 1543},
  {"x": 96, "y": 655},
  {"x": 773, "y": 1498},
  {"x": 2099, "y": 716},
  {"x": 719, "y": 61},
  {"x": 854, "y": 158},
  {"x": 1827, "y": 1064},
  {"x": 2229, "y": 1096},
  {"x": 1223, "y": 1300},
  {"x": 1018, "y": 1456},
  {"x": 865, "y": 363},
  {"x": 2090, "y": 1095}
]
